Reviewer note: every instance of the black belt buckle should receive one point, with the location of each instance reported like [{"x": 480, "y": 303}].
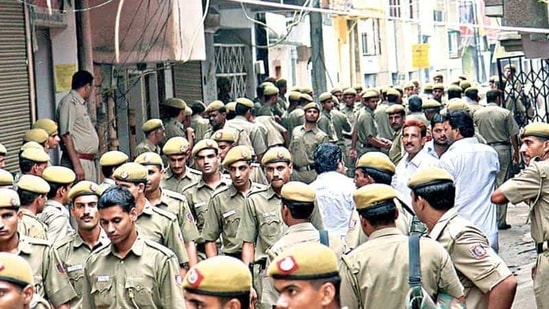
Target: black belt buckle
[{"x": 539, "y": 246}]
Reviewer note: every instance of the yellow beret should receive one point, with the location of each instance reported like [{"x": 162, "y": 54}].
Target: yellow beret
[
  {"x": 308, "y": 261},
  {"x": 215, "y": 106},
  {"x": 151, "y": 124},
  {"x": 175, "y": 102},
  {"x": 84, "y": 187},
  {"x": 376, "y": 160},
  {"x": 6, "y": 178},
  {"x": 224, "y": 135},
  {"x": 245, "y": 101},
  {"x": 325, "y": 96},
  {"x": 409, "y": 85},
  {"x": 46, "y": 124},
  {"x": 457, "y": 105},
  {"x": 3, "y": 150},
  {"x": 372, "y": 195},
  {"x": 16, "y": 270},
  {"x": 311, "y": 105},
  {"x": 392, "y": 91},
  {"x": 59, "y": 174},
  {"x": 464, "y": 84},
  {"x": 205, "y": 144},
  {"x": 428, "y": 86},
  {"x": 395, "y": 109},
  {"x": 349, "y": 91},
  {"x": 294, "y": 96},
  {"x": 428, "y": 176},
  {"x": 537, "y": 129},
  {"x": 335, "y": 90},
  {"x": 176, "y": 145},
  {"x": 307, "y": 90},
  {"x": 454, "y": 88},
  {"x": 438, "y": 75},
  {"x": 35, "y": 155},
  {"x": 493, "y": 78},
  {"x": 33, "y": 145},
  {"x": 358, "y": 88},
  {"x": 9, "y": 198},
  {"x": 113, "y": 158},
  {"x": 131, "y": 172},
  {"x": 298, "y": 192},
  {"x": 306, "y": 97},
  {"x": 266, "y": 84},
  {"x": 280, "y": 83},
  {"x": 276, "y": 154},
  {"x": 219, "y": 276},
  {"x": 270, "y": 90},
  {"x": 471, "y": 89},
  {"x": 149, "y": 158},
  {"x": 438, "y": 86},
  {"x": 230, "y": 107},
  {"x": 370, "y": 94},
  {"x": 237, "y": 153},
  {"x": 36, "y": 135},
  {"x": 430, "y": 103},
  {"x": 34, "y": 184},
  {"x": 188, "y": 112}
]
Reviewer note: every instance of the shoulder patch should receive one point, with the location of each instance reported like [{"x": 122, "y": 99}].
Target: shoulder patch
[{"x": 478, "y": 251}]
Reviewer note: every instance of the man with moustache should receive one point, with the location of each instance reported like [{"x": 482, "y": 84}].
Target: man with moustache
[
  {"x": 438, "y": 145},
  {"x": 217, "y": 115},
  {"x": 178, "y": 174},
  {"x": 396, "y": 114},
  {"x": 55, "y": 215}
]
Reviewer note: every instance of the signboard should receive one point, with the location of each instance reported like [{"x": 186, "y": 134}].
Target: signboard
[{"x": 420, "y": 56}]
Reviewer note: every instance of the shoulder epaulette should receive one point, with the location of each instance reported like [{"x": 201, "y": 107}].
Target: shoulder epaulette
[
  {"x": 164, "y": 213},
  {"x": 39, "y": 241},
  {"x": 173, "y": 194},
  {"x": 153, "y": 244},
  {"x": 219, "y": 191}
]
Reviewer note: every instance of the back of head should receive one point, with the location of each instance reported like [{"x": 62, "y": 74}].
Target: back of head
[
  {"x": 81, "y": 79},
  {"x": 116, "y": 196},
  {"x": 415, "y": 104},
  {"x": 463, "y": 121},
  {"x": 327, "y": 157}
]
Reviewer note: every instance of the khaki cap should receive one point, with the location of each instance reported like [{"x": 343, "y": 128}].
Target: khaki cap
[
  {"x": 457, "y": 105},
  {"x": 408, "y": 85},
  {"x": 430, "y": 103},
  {"x": 245, "y": 101},
  {"x": 372, "y": 195},
  {"x": 470, "y": 89},
  {"x": 428, "y": 86},
  {"x": 84, "y": 187},
  {"x": 151, "y": 125},
  {"x": 376, "y": 160},
  {"x": 358, "y": 88},
  {"x": 205, "y": 144},
  {"x": 395, "y": 109},
  {"x": 34, "y": 184},
  {"x": 3, "y": 150},
  {"x": 335, "y": 90},
  {"x": 438, "y": 86},
  {"x": 36, "y": 135},
  {"x": 298, "y": 192},
  {"x": 16, "y": 270},
  {"x": 230, "y": 107},
  {"x": 493, "y": 78},
  {"x": 176, "y": 145},
  {"x": 9, "y": 198},
  {"x": 214, "y": 106},
  {"x": 35, "y": 155},
  {"x": 266, "y": 84},
  {"x": 307, "y": 90},
  {"x": 306, "y": 97},
  {"x": 219, "y": 276},
  {"x": 176, "y": 103},
  {"x": 325, "y": 96},
  {"x": 429, "y": 176},
  {"x": 454, "y": 88},
  {"x": 311, "y": 105},
  {"x": 237, "y": 153},
  {"x": 308, "y": 261},
  {"x": 438, "y": 75},
  {"x": 46, "y": 124},
  {"x": 188, "y": 112},
  {"x": 149, "y": 158},
  {"x": 537, "y": 129},
  {"x": 276, "y": 154},
  {"x": 131, "y": 172},
  {"x": 33, "y": 145},
  {"x": 270, "y": 90},
  {"x": 349, "y": 91},
  {"x": 392, "y": 91},
  {"x": 59, "y": 174},
  {"x": 464, "y": 84},
  {"x": 6, "y": 178},
  {"x": 113, "y": 158},
  {"x": 294, "y": 96},
  {"x": 370, "y": 94},
  {"x": 224, "y": 135}
]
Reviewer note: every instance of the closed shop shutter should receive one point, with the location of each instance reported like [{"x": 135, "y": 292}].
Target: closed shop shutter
[
  {"x": 188, "y": 81},
  {"x": 15, "y": 115}
]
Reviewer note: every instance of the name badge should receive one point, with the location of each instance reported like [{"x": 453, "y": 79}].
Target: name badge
[
  {"x": 103, "y": 278},
  {"x": 198, "y": 205},
  {"x": 74, "y": 268},
  {"x": 229, "y": 213},
  {"x": 269, "y": 214}
]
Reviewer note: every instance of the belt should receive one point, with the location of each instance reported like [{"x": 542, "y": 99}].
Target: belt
[
  {"x": 542, "y": 246},
  {"x": 310, "y": 167},
  {"x": 237, "y": 255},
  {"x": 86, "y": 156},
  {"x": 499, "y": 144}
]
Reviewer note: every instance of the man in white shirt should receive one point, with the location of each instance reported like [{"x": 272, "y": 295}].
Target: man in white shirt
[
  {"x": 414, "y": 136},
  {"x": 438, "y": 145},
  {"x": 474, "y": 167}
]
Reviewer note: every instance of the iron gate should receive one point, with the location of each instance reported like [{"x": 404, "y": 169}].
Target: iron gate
[{"x": 230, "y": 64}]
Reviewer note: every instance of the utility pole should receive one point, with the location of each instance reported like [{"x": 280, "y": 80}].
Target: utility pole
[{"x": 317, "y": 51}]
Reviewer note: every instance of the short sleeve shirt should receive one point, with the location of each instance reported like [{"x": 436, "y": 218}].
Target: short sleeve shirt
[{"x": 73, "y": 118}]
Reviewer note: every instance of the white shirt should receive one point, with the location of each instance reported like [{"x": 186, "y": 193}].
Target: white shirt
[
  {"x": 334, "y": 196},
  {"x": 429, "y": 148},
  {"x": 474, "y": 167},
  {"x": 406, "y": 168}
]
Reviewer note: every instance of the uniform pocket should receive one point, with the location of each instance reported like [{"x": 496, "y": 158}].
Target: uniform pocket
[
  {"x": 230, "y": 226},
  {"x": 77, "y": 281},
  {"x": 38, "y": 285},
  {"x": 101, "y": 293},
  {"x": 270, "y": 227},
  {"x": 141, "y": 291}
]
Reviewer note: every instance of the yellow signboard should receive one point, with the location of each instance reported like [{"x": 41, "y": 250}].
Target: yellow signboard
[
  {"x": 420, "y": 56},
  {"x": 63, "y": 76}
]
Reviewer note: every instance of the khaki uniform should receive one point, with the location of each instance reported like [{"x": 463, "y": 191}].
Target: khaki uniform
[
  {"x": 326, "y": 124},
  {"x": 478, "y": 266},
  {"x": 146, "y": 146},
  {"x": 30, "y": 226},
  {"x": 247, "y": 134},
  {"x": 161, "y": 226},
  {"x": 263, "y": 109},
  {"x": 379, "y": 273},
  {"x": 302, "y": 147},
  {"x": 107, "y": 183},
  {"x": 273, "y": 134},
  {"x": 382, "y": 120},
  {"x": 527, "y": 187},
  {"x": 200, "y": 126},
  {"x": 223, "y": 217},
  {"x": 396, "y": 150},
  {"x": 295, "y": 118},
  {"x": 170, "y": 181},
  {"x": 73, "y": 251},
  {"x": 174, "y": 128},
  {"x": 56, "y": 218},
  {"x": 50, "y": 279},
  {"x": 497, "y": 125},
  {"x": 366, "y": 127},
  {"x": 177, "y": 204},
  {"x": 148, "y": 277},
  {"x": 73, "y": 118}
]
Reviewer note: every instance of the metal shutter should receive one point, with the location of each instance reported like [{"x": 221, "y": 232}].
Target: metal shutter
[
  {"x": 188, "y": 81},
  {"x": 15, "y": 115}
]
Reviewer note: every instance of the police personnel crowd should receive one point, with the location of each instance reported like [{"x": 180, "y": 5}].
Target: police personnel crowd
[{"x": 294, "y": 199}]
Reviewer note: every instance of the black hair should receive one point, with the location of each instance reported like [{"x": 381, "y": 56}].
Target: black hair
[
  {"x": 109, "y": 170},
  {"x": 454, "y": 93},
  {"x": 27, "y": 197},
  {"x": 259, "y": 91},
  {"x": 25, "y": 165},
  {"x": 414, "y": 103},
  {"x": 441, "y": 196},
  {"x": 462, "y": 121},
  {"x": 81, "y": 79},
  {"x": 299, "y": 210},
  {"x": 335, "y": 281},
  {"x": 241, "y": 109},
  {"x": 197, "y": 107},
  {"x": 54, "y": 187},
  {"x": 327, "y": 156},
  {"x": 382, "y": 218},
  {"x": 377, "y": 175},
  {"x": 116, "y": 196},
  {"x": 437, "y": 118},
  {"x": 472, "y": 94},
  {"x": 268, "y": 97},
  {"x": 243, "y": 299},
  {"x": 392, "y": 98},
  {"x": 492, "y": 95}
]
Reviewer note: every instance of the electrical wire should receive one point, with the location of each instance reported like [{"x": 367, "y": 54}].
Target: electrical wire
[
  {"x": 65, "y": 10},
  {"x": 117, "y": 30},
  {"x": 195, "y": 33}
]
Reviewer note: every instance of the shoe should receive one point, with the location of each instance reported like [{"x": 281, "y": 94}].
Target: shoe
[{"x": 504, "y": 227}]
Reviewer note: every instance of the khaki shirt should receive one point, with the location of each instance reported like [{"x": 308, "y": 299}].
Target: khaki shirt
[
  {"x": 381, "y": 268},
  {"x": 223, "y": 217},
  {"x": 247, "y": 134},
  {"x": 161, "y": 226},
  {"x": 350, "y": 113},
  {"x": 304, "y": 143},
  {"x": 200, "y": 126},
  {"x": 73, "y": 251},
  {"x": 294, "y": 119},
  {"x": 274, "y": 131},
  {"x": 395, "y": 152},
  {"x": 366, "y": 127},
  {"x": 73, "y": 118},
  {"x": 50, "y": 278},
  {"x": 174, "y": 128},
  {"x": 325, "y": 123},
  {"x": 146, "y": 146},
  {"x": 177, "y": 204},
  {"x": 478, "y": 266},
  {"x": 341, "y": 124},
  {"x": 382, "y": 120},
  {"x": 30, "y": 226},
  {"x": 56, "y": 218},
  {"x": 107, "y": 183},
  {"x": 147, "y": 277},
  {"x": 172, "y": 183},
  {"x": 496, "y": 124}
]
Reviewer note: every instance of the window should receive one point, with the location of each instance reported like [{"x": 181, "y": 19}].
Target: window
[
  {"x": 369, "y": 39},
  {"x": 394, "y": 8},
  {"x": 411, "y": 9},
  {"x": 438, "y": 16},
  {"x": 453, "y": 43}
]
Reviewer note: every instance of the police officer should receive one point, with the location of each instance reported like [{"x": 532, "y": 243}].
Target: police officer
[
  {"x": 33, "y": 162},
  {"x": 297, "y": 116},
  {"x": 55, "y": 215},
  {"x": 198, "y": 123},
  {"x": 32, "y": 191},
  {"x": 217, "y": 115},
  {"x": 3, "y": 153},
  {"x": 75, "y": 248},
  {"x": 154, "y": 132},
  {"x": 39, "y": 136},
  {"x": 6, "y": 179},
  {"x": 174, "y": 110},
  {"x": 110, "y": 161},
  {"x": 133, "y": 272},
  {"x": 246, "y": 132},
  {"x": 487, "y": 280},
  {"x": 397, "y": 116},
  {"x": 16, "y": 282},
  {"x": 51, "y": 128},
  {"x": 325, "y": 122},
  {"x": 178, "y": 174},
  {"x": 390, "y": 96}
]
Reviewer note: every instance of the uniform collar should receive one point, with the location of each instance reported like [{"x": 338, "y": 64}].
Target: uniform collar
[
  {"x": 137, "y": 247},
  {"x": 271, "y": 193},
  {"x": 224, "y": 182},
  {"x": 148, "y": 208},
  {"x": 170, "y": 174},
  {"x": 55, "y": 204},
  {"x": 389, "y": 231},
  {"x": 103, "y": 239},
  {"x": 27, "y": 212},
  {"x": 300, "y": 227},
  {"x": 442, "y": 223},
  {"x": 78, "y": 97}
]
